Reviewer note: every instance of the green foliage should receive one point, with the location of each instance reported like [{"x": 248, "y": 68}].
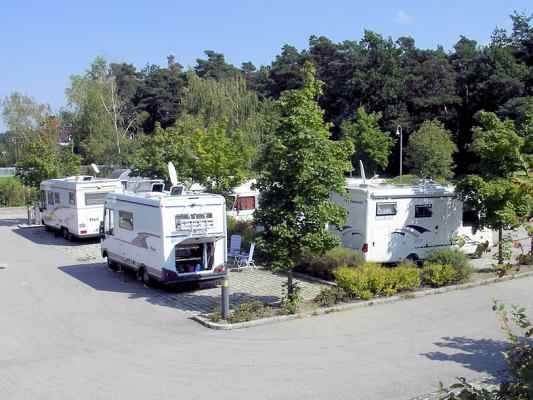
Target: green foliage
[
  {"x": 323, "y": 265},
  {"x": 330, "y": 296},
  {"x": 204, "y": 154},
  {"x": 246, "y": 229},
  {"x": 518, "y": 384},
  {"x": 430, "y": 151},
  {"x": 291, "y": 303},
  {"x": 498, "y": 146},
  {"x": 14, "y": 194},
  {"x": 372, "y": 280},
  {"x": 301, "y": 166},
  {"x": 525, "y": 259},
  {"x": 246, "y": 312},
  {"x": 42, "y": 161},
  {"x": 437, "y": 275},
  {"x": 500, "y": 202},
  {"x": 220, "y": 162},
  {"x": 372, "y": 146},
  {"x": 454, "y": 258}
]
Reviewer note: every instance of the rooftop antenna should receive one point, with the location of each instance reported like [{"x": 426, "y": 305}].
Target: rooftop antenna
[
  {"x": 172, "y": 174},
  {"x": 95, "y": 169},
  {"x": 362, "y": 169},
  {"x": 175, "y": 189}
]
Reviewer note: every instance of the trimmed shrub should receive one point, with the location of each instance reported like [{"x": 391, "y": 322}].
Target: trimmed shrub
[
  {"x": 437, "y": 275},
  {"x": 454, "y": 258},
  {"x": 330, "y": 296},
  {"x": 406, "y": 277},
  {"x": 323, "y": 265},
  {"x": 525, "y": 259},
  {"x": 372, "y": 280}
]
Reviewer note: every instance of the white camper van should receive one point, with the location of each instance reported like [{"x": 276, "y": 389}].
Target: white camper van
[
  {"x": 75, "y": 205},
  {"x": 389, "y": 223},
  {"x": 168, "y": 237},
  {"x": 243, "y": 201}
]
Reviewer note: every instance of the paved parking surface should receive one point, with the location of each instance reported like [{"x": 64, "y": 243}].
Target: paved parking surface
[
  {"x": 245, "y": 285},
  {"x": 71, "y": 329}
]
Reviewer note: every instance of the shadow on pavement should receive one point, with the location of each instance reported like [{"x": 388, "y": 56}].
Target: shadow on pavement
[
  {"x": 12, "y": 221},
  {"x": 184, "y": 297},
  {"x": 39, "y": 235},
  {"x": 480, "y": 355}
]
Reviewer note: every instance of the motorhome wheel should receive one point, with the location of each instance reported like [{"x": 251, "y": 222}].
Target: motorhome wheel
[
  {"x": 413, "y": 258},
  {"x": 112, "y": 265},
  {"x": 145, "y": 276},
  {"x": 66, "y": 234}
]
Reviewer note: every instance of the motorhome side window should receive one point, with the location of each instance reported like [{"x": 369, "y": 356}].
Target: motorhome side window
[
  {"x": 71, "y": 198},
  {"x": 96, "y": 198},
  {"x": 43, "y": 199},
  {"x": 51, "y": 198},
  {"x": 125, "y": 220},
  {"x": 56, "y": 198},
  {"x": 386, "y": 209},
  {"x": 423, "y": 211},
  {"x": 245, "y": 203}
]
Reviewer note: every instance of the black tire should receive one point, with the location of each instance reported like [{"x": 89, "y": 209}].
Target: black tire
[
  {"x": 145, "y": 277},
  {"x": 112, "y": 265},
  {"x": 66, "y": 234},
  {"x": 413, "y": 258},
  {"x": 47, "y": 228}
]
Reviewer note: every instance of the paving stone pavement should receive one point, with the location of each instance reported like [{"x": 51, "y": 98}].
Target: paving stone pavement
[{"x": 245, "y": 285}]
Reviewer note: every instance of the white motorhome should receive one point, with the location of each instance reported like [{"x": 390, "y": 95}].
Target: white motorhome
[
  {"x": 167, "y": 237},
  {"x": 390, "y": 223},
  {"x": 243, "y": 201},
  {"x": 75, "y": 205}
]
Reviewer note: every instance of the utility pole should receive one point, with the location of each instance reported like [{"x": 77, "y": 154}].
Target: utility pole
[{"x": 399, "y": 133}]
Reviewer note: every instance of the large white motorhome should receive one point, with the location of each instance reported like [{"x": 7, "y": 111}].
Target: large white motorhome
[
  {"x": 167, "y": 237},
  {"x": 75, "y": 205},
  {"x": 243, "y": 200},
  {"x": 390, "y": 223}
]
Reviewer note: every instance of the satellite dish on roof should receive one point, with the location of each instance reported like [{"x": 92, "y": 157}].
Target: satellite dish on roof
[
  {"x": 363, "y": 176},
  {"x": 172, "y": 174},
  {"x": 95, "y": 168}
]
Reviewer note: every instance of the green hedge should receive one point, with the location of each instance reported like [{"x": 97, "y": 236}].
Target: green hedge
[
  {"x": 14, "y": 194},
  {"x": 371, "y": 280},
  {"x": 455, "y": 259},
  {"x": 324, "y": 265}
]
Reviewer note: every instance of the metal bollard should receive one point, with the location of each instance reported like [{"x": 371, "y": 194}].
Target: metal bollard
[{"x": 224, "y": 298}]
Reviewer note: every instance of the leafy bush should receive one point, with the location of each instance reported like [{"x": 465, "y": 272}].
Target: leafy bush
[
  {"x": 330, "y": 296},
  {"x": 518, "y": 384},
  {"x": 13, "y": 193},
  {"x": 525, "y": 259},
  {"x": 245, "y": 312},
  {"x": 455, "y": 259},
  {"x": 245, "y": 229},
  {"x": 437, "y": 275},
  {"x": 323, "y": 265},
  {"x": 372, "y": 280}
]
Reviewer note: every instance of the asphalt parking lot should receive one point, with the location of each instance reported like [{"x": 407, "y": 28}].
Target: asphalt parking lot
[
  {"x": 86, "y": 265},
  {"x": 71, "y": 329}
]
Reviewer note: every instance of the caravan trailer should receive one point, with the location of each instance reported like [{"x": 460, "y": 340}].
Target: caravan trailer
[
  {"x": 243, "y": 200},
  {"x": 75, "y": 205},
  {"x": 166, "y": 237},
  {"x": 390, "y": 223}
]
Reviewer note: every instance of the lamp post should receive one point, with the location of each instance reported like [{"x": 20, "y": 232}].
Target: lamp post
[{"x": 399, "y": 133}]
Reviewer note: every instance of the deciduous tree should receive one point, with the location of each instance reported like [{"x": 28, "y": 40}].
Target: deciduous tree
[{"x": 301, "y": 167}]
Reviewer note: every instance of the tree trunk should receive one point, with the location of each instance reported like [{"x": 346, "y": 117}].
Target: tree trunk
[
  {"x": 500, "y": 245},
  {"x": 290, "y": 287}
]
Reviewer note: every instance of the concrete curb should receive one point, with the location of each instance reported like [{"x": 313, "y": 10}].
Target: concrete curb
[{"x": 360, "y": 304}]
